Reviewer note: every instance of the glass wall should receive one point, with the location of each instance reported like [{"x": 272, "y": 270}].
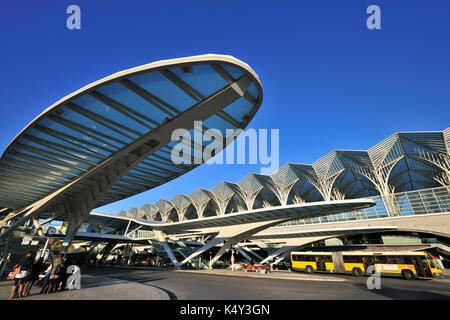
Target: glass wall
[{"x": 426, "y": 201}]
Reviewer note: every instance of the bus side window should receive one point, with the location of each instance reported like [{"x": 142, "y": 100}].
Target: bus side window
[
  {"x": 349, "y": 259},
  {"x": 380, "y": 259},
  {"x": 395, "y": 260}
]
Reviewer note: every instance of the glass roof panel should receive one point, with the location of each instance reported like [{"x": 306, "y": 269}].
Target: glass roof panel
[
  {"x": 78, "y": 118},
  {"x": 238, "y": 108},
  {"x": 253, "y": 90},
  {"x": 107, "y": 143},
  {"x": 214, "y": 122},
  {"x": 63, "y": 155},
  {"x": 203, "y": 78},
  {"x": 128, "y": 98},
  {"x": 12, "y": 167},
  {"x": 164, "y": 89},
  {"x": 232, "y": 71},
  {"x": 55, "y": 139},
  {"x": 38, "y": 155},
  {"x": 109, "y": 112},
  {"x": 31, "y": 166},
  {"x": 171, "y": 168}
]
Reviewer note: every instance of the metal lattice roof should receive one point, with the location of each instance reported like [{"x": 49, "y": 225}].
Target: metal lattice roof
[{"x": 404, "y": 161}]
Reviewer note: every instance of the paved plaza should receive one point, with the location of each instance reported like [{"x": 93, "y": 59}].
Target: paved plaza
[{"x": 143, "y": 284}]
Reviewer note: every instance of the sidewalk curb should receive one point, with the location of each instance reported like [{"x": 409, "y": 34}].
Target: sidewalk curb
[{"x": 263, "y": 277}]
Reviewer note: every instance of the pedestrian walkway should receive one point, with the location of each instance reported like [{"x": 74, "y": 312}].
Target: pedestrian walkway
[{"x": 94, "y": 288}]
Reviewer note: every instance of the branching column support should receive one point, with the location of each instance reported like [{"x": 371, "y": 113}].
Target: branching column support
[
  {"x": 106, "y": 250},
  {"x": 246, "y": 256},
  {"x": 163, "y": 240},
  {"x": 236, "y": 235},
  {"x": 277, "y": 252}
]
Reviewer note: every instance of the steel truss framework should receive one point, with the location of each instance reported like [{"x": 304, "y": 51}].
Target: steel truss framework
[
  {"x": 226, "y": 231},
  {"x": 404, "y": 161},
  {"x": 112, "y": 139}
]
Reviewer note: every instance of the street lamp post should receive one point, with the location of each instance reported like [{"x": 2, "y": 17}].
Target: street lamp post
[
  {"x": 210, "y": 266},
  {"x": 50, "y": 231},
  {"x": 232, "y": 260}
]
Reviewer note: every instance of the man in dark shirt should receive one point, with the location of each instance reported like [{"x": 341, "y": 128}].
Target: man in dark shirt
[
  {"x": 25, "y": 266},
  {"x": 32, "y": 276}
]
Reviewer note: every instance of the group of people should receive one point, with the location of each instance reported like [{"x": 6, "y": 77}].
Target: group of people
[{"x": 30, "y": 271}]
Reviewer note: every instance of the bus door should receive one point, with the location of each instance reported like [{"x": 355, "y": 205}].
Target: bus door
[
  {"x": 367, "y": 262},
  {"x": 320, "y": 262},
  {"x": 421, "y": 265}
]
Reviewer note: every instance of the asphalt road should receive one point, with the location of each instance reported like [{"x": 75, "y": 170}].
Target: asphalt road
[{"x": 189, "y": 286}]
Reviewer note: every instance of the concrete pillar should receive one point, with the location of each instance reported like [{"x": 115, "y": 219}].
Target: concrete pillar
[
  {"x": 106, "y": 250},
  {"x": 74, "y": 224}
]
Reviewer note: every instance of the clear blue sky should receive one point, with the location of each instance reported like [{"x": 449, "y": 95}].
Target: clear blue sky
[{"x": 329, "y": 82}]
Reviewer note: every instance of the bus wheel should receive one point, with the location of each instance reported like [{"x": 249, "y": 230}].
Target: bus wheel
[
  {"x": 357, "y": 272},
  {"x": 408, "y": 275},
  {"x": 309, "y": 269}
]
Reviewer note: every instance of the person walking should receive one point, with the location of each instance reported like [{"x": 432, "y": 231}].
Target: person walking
[
  {"x": 19, "y": 280},
  {"x": 33, "y": 276}
]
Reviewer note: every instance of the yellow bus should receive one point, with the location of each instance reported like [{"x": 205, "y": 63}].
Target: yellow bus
[{"x": 409, "y": 265}]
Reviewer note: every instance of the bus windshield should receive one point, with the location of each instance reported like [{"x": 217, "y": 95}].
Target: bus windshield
[{"x": 431, "y": 261}]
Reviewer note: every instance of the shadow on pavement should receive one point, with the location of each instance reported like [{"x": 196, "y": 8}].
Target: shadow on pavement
[
  {"x": 102, "y": 281},
  {"x": 403, "y": 294}
]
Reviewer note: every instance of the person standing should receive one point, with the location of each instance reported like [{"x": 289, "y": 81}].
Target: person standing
[
  {"x": 32, "y": 276},
  {"x": 64, "y": 275},
  {"x": 19, "y": 280},
  {"x": 267, "y": 267},
  {"x": 45, "y": 278},
  {"x": 57, "y": 266}
]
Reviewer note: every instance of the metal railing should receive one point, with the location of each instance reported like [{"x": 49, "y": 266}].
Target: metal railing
[
  {"x": 418, "y": 202},
  {"x": 141, "y": 234}
]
